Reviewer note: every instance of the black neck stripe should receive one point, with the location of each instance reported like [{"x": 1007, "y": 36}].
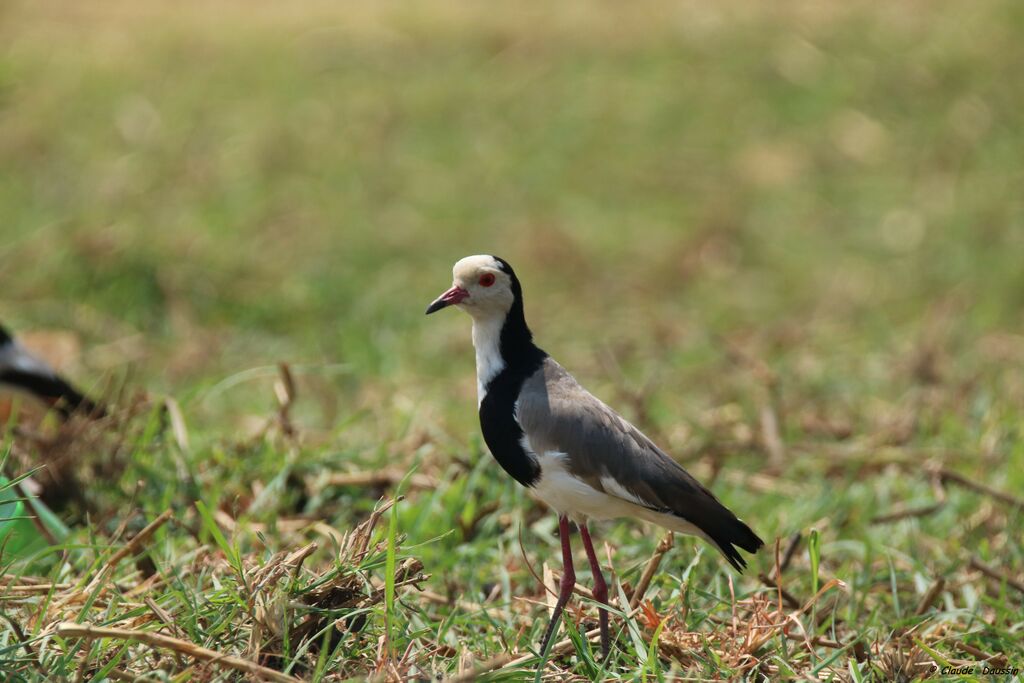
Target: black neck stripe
[{"x": 522, "y": 358}]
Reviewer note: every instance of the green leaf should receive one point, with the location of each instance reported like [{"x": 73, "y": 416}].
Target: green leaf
[
  {"x": 814, "y": 550},
  {"x": 212, "y": 528}
]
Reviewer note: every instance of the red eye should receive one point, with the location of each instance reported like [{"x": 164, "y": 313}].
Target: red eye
[{"x": 487, "y": 279}]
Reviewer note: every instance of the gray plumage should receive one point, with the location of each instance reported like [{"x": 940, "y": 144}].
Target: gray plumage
[{"x": 612, "y": 456}]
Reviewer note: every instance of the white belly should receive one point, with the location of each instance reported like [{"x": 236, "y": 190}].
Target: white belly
[
  {"x": 579, "y": 501},
  {"x": 567, "y": 495}
]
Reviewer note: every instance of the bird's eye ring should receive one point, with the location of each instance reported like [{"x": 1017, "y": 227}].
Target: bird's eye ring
[{"x": 487, "y": 279}]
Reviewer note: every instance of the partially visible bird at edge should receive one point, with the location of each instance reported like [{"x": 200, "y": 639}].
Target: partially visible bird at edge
[{"x": 24, "y": 372}]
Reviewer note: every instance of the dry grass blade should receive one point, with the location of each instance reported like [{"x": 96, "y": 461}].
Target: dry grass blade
[
  {"x": 128, "y": 550},
  {"x": 558, "y": 648},
  {"x": 113, "y": 674},
  {"x": 921, "y": 511},
  {"x": 284, "y": 387},
  {"x": 905, "y": 513},
  {"x": 829, "y": 585},
  {"x": 483, "y": 667},
  {"x": 929, "y": 598},
  {"x": 949, "y": 476},
  {"x": 161, "y": 614},
  {"x": 791, "y": 601},
  {"x": 136, "y": 543},
  {"x": 550, "y": 588},
  {"x": 652, "y": 566},
  {"x": 356, "y": 542},
  {"x": 25, "y": 643},
  {"x": 177, "y": 423},
  {"x": 924, "y": 604},
  {"x": 741, "y": 642},
  {"x": 17, "y": 591},
  {"x": 284, "y": 392},
  {"x": 996, "y": 574},
  {"x": 377, "y": 478},
  {"x": 556, "y": 578},
  {"x": 72, "y": 630},
  {"x": 280, "y": 565},
  {"x": 787, "y": 557},
  {"x": 981, "y": 655}
]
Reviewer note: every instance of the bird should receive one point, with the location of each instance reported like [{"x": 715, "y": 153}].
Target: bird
[
  {"x": 567, "y": 447},
  {"x": 23, "y": 371}
]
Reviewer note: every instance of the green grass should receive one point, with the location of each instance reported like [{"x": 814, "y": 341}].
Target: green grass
[{"x": 809, "y": 213}]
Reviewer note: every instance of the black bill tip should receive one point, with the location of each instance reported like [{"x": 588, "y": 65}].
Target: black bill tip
[
  {"x": 436, "y": 306},
  {"x": 449, "y": 298}
]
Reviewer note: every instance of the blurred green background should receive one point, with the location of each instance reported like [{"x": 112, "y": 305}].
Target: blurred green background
[
  {"x": 295, "y": 183},
  {"x": 203, "y": 190}
]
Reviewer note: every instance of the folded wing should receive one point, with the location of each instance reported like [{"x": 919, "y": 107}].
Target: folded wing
[{"x": 613, "y": 456}]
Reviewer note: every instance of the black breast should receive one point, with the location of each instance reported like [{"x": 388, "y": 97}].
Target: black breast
[{"x": 502, "y": 432}]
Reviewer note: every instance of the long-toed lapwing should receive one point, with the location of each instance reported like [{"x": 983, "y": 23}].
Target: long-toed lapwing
[{"x": 570, "y": 450}]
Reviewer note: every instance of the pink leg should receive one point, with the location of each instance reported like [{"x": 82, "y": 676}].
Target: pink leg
[
  {"x": 600, "y": 587},
  {"x": 567, "y": 584}
]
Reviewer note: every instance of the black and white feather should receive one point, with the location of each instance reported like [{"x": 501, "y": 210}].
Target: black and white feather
[{"x": 22, "y": 371}]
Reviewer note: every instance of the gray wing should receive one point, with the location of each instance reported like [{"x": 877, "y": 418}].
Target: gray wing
[{"x": 613, "y": 456}]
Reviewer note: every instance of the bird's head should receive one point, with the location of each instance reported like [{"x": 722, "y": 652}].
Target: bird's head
[{"x": 484, "y": 286}]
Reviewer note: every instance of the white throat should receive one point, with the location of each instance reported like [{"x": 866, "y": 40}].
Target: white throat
[{"x": 487, "y": 342}]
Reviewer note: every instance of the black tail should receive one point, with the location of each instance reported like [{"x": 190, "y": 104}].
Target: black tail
[
  {"x": 718, "y": 524},
  {"x": 735, "y": 533},
  {"x": 695, "y": 504}
]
